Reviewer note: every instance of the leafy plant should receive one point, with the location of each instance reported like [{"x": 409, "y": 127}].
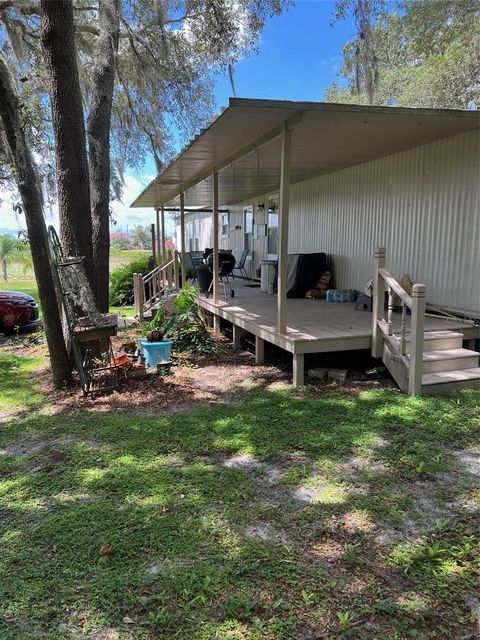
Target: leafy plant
[
  {"x": 121, "y": 281},
  {"x": 239, "y": 607},
  {"x": 308, "y": 597},
  {"x": 179, "y": 319},
  {"x": 350, "y": 554},
  {"x": 345, "y": 619}
]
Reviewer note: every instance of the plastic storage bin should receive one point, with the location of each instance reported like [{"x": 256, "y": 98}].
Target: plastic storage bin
[
  {"x": 338, "y": 295},
  {"x": 156, "y": 352}
]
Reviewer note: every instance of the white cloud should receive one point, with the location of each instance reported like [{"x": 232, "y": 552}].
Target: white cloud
[{"x": 123, "y": 214}]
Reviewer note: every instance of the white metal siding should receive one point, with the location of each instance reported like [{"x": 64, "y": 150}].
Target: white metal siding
[{"x": 421, "y": 204}]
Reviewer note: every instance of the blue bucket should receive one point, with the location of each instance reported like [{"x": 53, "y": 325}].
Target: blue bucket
[{"x": 156, "y": 352}]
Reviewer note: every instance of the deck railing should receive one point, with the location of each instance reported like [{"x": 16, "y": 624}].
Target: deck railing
[
  {"x": 148, "y": 289},
  {"x": 383, "y": 326}
]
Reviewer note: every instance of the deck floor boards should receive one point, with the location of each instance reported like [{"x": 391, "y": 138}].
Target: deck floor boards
[{"x": 313, "y": 326}]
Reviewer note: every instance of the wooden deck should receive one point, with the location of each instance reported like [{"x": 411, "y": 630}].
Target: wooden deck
[{"x": 313, "y": 326}]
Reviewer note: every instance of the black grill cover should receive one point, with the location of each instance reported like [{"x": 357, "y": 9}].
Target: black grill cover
[{"x": 308, "y": 267}]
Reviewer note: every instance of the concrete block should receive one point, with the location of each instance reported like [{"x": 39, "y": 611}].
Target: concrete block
[
  {"x": 319, "y": 373},
  {"x": 338, "y": 374}
]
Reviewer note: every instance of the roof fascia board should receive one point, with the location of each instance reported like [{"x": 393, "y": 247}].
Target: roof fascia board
[{"x": 352, "y": 108}]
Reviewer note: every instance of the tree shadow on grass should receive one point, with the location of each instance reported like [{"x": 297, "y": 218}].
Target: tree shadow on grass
[{"x": 155, "y": 489}]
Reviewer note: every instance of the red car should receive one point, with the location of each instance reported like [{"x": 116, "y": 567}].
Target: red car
[{"x": 17, "y": 310}]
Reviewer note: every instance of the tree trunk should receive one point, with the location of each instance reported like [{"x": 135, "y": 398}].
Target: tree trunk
[
  {"x": 98, "y": 130},
  {"x": 58, "y": 44},
  {"x": 32, "y": 205}
]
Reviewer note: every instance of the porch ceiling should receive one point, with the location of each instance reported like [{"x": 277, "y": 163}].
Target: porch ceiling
[{"x": 243, "y": 143}]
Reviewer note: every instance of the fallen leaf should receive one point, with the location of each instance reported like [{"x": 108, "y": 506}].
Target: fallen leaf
[
  {"x": 106, "y": 550},
  {"x": 127, "y": 620}
]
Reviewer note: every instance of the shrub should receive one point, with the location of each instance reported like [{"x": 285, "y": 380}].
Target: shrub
[
  {"x": 121, "y": 281},
  {"x": 182, "y": 322}
]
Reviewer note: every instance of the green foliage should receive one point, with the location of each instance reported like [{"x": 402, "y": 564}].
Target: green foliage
[
  {"x": 13, "y": 251},
  {"x": 182, "y": 322},
  {"x": 121, "y": 281},
  {"x": 410, "y": 53}
]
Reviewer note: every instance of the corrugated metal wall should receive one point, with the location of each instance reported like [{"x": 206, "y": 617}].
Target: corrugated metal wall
[{"x": 421, "y": 204}]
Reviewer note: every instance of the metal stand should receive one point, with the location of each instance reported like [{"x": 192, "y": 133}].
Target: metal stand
[{"x": 89, "y": 331}]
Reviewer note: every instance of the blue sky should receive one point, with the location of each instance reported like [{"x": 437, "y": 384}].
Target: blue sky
[{"x": 299, "y": 56}]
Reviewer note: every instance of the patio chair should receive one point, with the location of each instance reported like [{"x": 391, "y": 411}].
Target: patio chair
[
  {"x": 240, "y": 266},
  {"x": 191, "y": 263}
]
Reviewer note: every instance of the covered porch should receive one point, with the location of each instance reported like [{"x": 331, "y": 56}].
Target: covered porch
[
  {"x": 261, "y": 146},
  {"x": 313, "y": 326}
]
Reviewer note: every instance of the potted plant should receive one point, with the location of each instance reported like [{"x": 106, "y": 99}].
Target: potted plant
[{"x": 155, "y": 349}]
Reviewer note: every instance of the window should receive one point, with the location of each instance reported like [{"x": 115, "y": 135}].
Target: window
[
  {"x": 248, "y": 228},
  {"x": 272, "y": 230},
  {"x": 225, "y": 224},
  {"x": 194, "y": 235}
]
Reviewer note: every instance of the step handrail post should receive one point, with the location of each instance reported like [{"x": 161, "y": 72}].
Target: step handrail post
[
  {"x": 176, "y": 273},
  {"x": 378, "y": 303},
  {"x": 419, "y": 293},
  {"x": 138, "y": 294}
]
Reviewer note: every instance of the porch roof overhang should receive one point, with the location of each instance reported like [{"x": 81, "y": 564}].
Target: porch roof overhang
[{"x": 243, "y": 145}]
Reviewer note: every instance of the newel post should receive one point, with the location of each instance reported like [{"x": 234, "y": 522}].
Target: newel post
[
  {"x": 138, "y": 294},
  {"x": 416, "y": 339},
  {"x": 378, "y": 303},
  {"x": 176, "y": 274}
]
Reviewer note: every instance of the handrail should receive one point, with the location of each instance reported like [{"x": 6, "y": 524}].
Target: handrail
[
  {"x": 391, "y": 282},
  {"x": 148, "y": 289},
  {"x": 383, "y": 330}
]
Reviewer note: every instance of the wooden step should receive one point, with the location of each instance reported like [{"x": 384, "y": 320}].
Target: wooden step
[
  {"x": 445, "y": 381},
  {"x": 439, "y": 340},
  {"x": 449, "y": 360}
]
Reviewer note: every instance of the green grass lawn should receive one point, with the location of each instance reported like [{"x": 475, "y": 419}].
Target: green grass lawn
[
  {"x": 16, "y": 389},
  {"x": 284, "y": 515}
]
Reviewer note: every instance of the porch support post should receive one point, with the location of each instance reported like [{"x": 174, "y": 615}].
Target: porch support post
[
  {"x": 159, "y": 249},
  {"x": 298, "y": 369},
  {"x": 215, "y": 237},
  {"x": 416, "y": 340},
  {"x": 378, "y": 302},
  {"x": 182, "y": 233},
  {"x": 237, "y": 334},
  {"x": 162, "y": 220},
  {"x": 259, "y": 350},
  {"x": 154, "y": 249},
  {"x": 283, "y": 230}
]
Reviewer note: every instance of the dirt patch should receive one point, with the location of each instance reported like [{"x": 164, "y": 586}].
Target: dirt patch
[
  {"x": 27, "y": 446},
  {"x": 201, "y": 381},
  {"x": 469, "y": 460},
  {"x": 31, "y": 446},
  {"x": 428, "y": 509},
  {"x": 242, "y": 461},
  {"x": 260, "y": 532},
  {"x": 265, "y": 532}
]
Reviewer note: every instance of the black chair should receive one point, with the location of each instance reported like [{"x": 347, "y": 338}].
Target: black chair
[
  {"x": 226, "y": 264},
  {"x": 191, "y": 265},
  {"x": 240, "y": 266}
]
